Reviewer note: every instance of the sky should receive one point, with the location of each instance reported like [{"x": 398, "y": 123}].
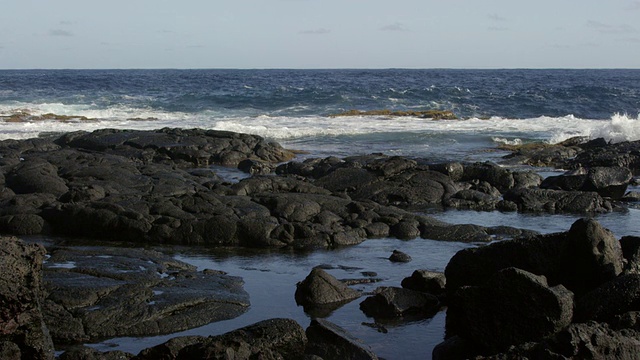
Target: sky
[{"x": 78, "y": 34}]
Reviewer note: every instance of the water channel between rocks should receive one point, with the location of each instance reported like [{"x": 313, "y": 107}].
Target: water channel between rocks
[{"x": 270, "y": 278}]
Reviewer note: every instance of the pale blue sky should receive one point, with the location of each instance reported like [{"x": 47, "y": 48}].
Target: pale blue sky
[{"x": 319, "y": 34}]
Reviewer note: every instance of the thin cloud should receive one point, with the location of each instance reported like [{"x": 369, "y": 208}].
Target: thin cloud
[
  {"x": 320, "y": 31},
  {"x": 497, "y": 18},
  {"x": 67, "y": 22},
  {"x": 394, "y": 27},
  {"x": 610, "y": 29},
  {"x": 634, "y": 6},
  {"x": 631, "y": 40},
  {"x": 60, "y": 32},
  {"x": 498, "y": 28}
]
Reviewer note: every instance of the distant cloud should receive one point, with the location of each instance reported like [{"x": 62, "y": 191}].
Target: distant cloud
[
  {"x": 60, "y": 32},
  {"x": 610, "y": 29},
  {"x": 320, "y": 31},
  {"x": 394, "y": 27},
  {"x": 498, "y": 28},
  {"x": 496, "y": 18}
]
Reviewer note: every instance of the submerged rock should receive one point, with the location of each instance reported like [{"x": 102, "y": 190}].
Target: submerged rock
[{"x": 399, "y": 256}]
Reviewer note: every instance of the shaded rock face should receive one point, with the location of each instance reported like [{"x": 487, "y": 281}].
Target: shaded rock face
[
  {"x": 581, "y": 259},
  {"x": 512, "y": 307},
  {"x": 268, "y": 339},
  {"x": 389, "y": 303},
  {"x": 23, "y": 333},
  {"x": 97, "y": 293},
  {"x": 329, "y": 341},
  {"x": 320, "y": 291},
  {"x": 557, "y": 201},
  {"x": 615, "y": 297}
]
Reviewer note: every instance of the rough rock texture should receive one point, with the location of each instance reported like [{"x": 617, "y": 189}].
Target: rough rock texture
[
  {"x": 329, "y": 341},
  {"x": 23, "y": 333},
  {"x": 557, "y": 201},
  {"x": 87, "y": 353},
  {"x": 581, "y": 259},
  {"x": 391, "y": 302},
  {"x": 631, "y": 251},
  {"x": 98, "y": 292},
  {"x": 321, "y": 290},
  {"x": 600, "y": 153},
  {"x": 511, "y": 308}
]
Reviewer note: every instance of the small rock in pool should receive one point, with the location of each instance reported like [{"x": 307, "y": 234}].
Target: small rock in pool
[{"x": 399, "y": 256}]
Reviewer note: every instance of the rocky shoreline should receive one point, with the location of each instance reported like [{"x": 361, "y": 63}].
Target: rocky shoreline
[{"x": 157, "y": 187}]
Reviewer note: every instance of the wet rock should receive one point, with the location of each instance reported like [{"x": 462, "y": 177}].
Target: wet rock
[
  {"x": 425, "y": 281},
  {"x": 321, "y": 290},
  {"x": 544, "y": 155},
  {"x": 96, "y": 293},
  {"x": 473, "y": 200},
  {"x": 392, "y": 302},
  {"x": 581, "y": 259},
  {"x": 329, "y": 341},
  {"x": 23, "y": 333},
  {"x": 557, "y": 201},
  {"x": 512, "y": 307},
  {"x": 399, "y": 256},
  {"x": 169, "y": 349},
  {"x": 255, "y": 167},
  {"x": 268, "y": 339},
  {"x": 609, "y": 182}
]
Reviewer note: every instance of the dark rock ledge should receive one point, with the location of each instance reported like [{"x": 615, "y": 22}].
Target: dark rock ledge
[{"x": 155, "y": 187}]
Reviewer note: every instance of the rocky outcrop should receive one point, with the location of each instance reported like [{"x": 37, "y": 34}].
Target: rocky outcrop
[
  {"x": 557, "y": 201},
  {"x": 141, "y": 186},
  {"x": 608, "y": 182},
  {"x": 97, "y": 293},
  {"x": 23, "y": 333},
  {"x": 540, "y": 297}
]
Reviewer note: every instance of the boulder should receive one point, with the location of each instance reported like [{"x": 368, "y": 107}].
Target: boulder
[
  {"x": 35, "y": 175},
  {"x": 23, "y": 332},
  {"x": 425, "y": 281},
  {"x": 512, "y": 307},
  {"x": 389, "y": 303},
  {"x": 329, "y": 341},
  {"x": 321, "y": 290},
  {"x": 600, "y": 153}
]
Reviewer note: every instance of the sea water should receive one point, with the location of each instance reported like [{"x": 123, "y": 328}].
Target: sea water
[{"x": 295, "y": 108}]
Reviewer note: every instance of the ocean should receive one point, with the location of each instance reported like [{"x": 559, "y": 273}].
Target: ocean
[{"x": 294, "y": 108}]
